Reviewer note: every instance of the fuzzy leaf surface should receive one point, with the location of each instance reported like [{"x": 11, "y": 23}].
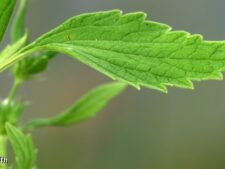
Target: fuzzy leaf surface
[{"x": 132, "y": 49}]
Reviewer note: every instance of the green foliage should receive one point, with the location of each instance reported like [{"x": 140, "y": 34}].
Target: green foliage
[
  {"x": 88, "y": 106},
  {"x": 6, "y": 9},
  {"x": 130, "y": 49},
  {"x": 23, "y": 147},
  {"x": 28, "y": 67},
  {"x": 10, "y": 111},
  {"x": 125, "y": 47},
  {"x": 18, "y": 26},
  {"x": 13, "y": 48}
]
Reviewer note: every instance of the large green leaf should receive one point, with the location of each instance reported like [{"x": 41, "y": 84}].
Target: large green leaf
[
  {"x": 85, "y": 108},
  {"x": 23, "y": 148},
  {"x": 6, "y": 9},
  {"x": 131, "y": 49}
]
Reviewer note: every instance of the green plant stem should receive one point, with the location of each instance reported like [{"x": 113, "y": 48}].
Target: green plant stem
[
  {"x": 14, "y": 89},
  {"x": 3, "y": 146}
]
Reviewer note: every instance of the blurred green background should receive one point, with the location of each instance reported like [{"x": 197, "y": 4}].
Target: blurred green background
[{"x": 184, "y": 129}]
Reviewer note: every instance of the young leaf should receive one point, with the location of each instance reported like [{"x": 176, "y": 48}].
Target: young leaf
[
  {"x": 85, "y": 108},
  {"x": 18, "y": 26},
  {"x": 133, "y": 50},
  {"x": 27, "y": 68},
  {"x": 12, "y": 49},
  {"x": 30, "y": 66},
  {"x": 6, "y": 9},
  {"x": 23, "y": 147},
  {"x": 10, "y": 111}
]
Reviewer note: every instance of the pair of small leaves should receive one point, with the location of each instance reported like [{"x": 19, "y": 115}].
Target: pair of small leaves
[
  {"x": 10, "y": 111},
  {"x": 130, "y": 49},
  {"x": 23, "y": 147},
  {"x": 85, "y": 108},
  {"x": 27, "y": 67},
  {"x": 32, "y": 65}
]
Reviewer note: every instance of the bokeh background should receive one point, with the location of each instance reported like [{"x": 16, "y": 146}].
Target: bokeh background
[{"x": 184, "y": 129}]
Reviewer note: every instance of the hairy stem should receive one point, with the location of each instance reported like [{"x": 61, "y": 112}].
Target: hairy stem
[
  {"x": 3, "y": 146},
  {"x": 15, "y": 87}
]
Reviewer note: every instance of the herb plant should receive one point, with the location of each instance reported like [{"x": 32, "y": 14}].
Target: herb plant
[{"x": 124, "y": 47}]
